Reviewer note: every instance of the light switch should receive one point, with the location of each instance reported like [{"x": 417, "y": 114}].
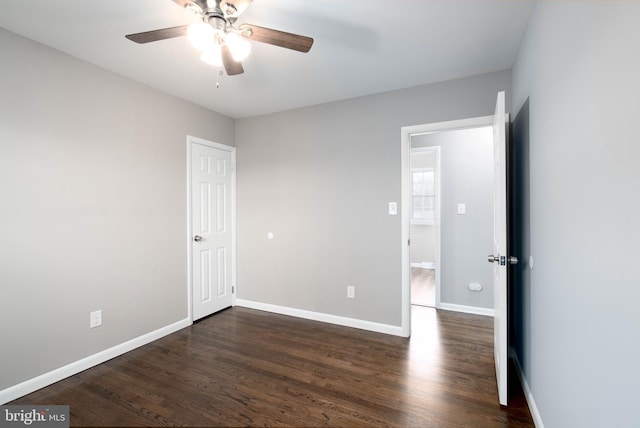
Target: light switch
[
  {"x": 393, "y": 208},
  {"x": 462, "y": 208}
]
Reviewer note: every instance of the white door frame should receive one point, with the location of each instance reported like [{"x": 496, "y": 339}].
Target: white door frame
[
  {"x": 195, "y": 140},
  {"x": 405, "y": 170}
]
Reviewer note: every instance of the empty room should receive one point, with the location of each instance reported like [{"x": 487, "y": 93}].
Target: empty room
[{"x": 211, "y": 213}]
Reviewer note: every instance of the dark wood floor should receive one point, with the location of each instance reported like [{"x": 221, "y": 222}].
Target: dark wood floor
[{"x": 243, "y": 367}]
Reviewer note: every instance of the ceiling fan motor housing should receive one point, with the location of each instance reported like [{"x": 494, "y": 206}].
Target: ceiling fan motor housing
[{"x": 217, "y": 22}]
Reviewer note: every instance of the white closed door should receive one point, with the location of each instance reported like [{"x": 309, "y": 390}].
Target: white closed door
[
  {"x": 211, "y": 223},
  {"x": 500, "y": 259}
]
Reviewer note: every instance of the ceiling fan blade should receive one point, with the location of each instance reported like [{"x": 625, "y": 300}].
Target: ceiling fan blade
[
  {"x": 231, "y": 67},
  {"x": 276, "y": 37},
  {"x": 155, "y": 35}
]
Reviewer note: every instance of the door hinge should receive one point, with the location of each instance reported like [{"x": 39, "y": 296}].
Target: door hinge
[
  {"x": 233, "y": 289},
  {"x": 408, "y": 241}
]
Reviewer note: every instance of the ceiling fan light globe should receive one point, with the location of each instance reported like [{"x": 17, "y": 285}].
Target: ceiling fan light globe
[
  {"x": 201, "y": 36},
  {"x": 212, "y": 56},
  {"x": 240, "y": 48}
]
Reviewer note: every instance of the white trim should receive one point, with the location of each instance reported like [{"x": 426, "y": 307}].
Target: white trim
[
  {"x": 476, "y": 310},
  {"x": 533, "y": 408},
  {"x": 405, "y": 166},
  {"x": 451, "y": 125},
  {"x": 416, "y": 222},
  {"x": 189, "y": 235},
  {"x": 438, "y": 221},
  {"x": 46, "y": 379},
  {"x": 195, "y": 140},
  {"x": 424, "y": 265},
  {"x": 318, "y": 316},
  {"x": 405, "y": 253}
]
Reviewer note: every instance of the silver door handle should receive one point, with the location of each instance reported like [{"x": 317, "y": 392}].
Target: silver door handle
[
  {"x": 513, "y": 260},
  {"x": 197, "y": 238}
]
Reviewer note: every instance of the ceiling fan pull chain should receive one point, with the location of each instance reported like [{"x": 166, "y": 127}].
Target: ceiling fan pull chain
[{"x": 218, "y": 78}]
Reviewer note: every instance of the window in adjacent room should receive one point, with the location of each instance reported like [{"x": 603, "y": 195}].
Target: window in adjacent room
[{"x": 423, "y": 196}]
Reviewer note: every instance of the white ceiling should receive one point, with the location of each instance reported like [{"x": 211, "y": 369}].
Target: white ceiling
[{"x": 361, "y": 46}]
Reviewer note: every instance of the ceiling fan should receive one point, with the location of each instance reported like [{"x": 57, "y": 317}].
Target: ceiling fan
[{"x": 217, "y": 37}]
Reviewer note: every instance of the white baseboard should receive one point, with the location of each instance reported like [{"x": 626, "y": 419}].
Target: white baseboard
[
  {"x": 318, "y": 316},
  {"x": 424, "y": 265},
  {"x": 46, "y": 379},
  {"x": 533, "y": 408},
  {"x": 467, "y": 309}
]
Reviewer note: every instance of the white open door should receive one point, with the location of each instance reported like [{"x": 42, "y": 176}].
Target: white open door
[
  {"x": 500, "y": 258},
  {"x": 212, "y": 229}
]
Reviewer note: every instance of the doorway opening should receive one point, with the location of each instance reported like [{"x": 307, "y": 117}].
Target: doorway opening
[
  {"x": 425, "y": 249},
  {"x": 449, "y": 264}
]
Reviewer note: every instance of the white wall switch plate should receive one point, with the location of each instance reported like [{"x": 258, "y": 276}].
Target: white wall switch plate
[
  {"x": 393, "y": 208},
  {"x": 95, "y": 319},
  {"x": 351, "y": 292},
  {"x": 462, "y": 208}
]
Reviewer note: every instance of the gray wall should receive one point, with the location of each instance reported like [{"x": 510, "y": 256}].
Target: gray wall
[
  {"x": 466, "y": 174},
  {"x": 423, "y": 243},
  {"x": 579, "y": 68},
  {"x": 320, "y": 179},
  {"x": 92, "y": 207}
]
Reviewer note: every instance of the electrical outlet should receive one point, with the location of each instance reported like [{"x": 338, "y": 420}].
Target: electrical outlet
[
  {"x": 475, "y": 287},
  {"x": 351, "y": 292},
  {"x": 95, "y": 319}
]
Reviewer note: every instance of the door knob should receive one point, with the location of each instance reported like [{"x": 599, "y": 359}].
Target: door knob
[
  {"x": 513, "y": 260},
  {"x": 197, "y": 238}
]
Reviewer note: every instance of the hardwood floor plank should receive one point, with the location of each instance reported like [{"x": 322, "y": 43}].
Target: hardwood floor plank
[{"x": 243, "y": 367}]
